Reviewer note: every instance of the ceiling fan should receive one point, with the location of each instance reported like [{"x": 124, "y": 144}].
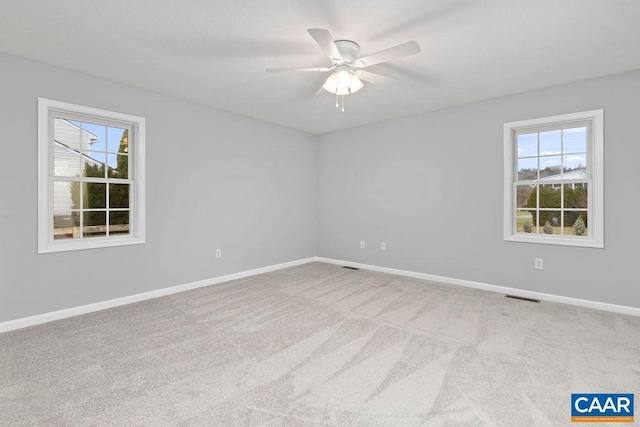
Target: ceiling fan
[{"x": 348, "y": 69}]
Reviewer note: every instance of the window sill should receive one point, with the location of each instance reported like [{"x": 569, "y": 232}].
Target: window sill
[
  {"x": 93, "y": 243},
  {"x": 560, "y": 241}
]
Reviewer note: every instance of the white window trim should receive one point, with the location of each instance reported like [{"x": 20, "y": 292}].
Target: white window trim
[
  {"x": 596, "y": 186},
  {"x": 46, "y": 243}
]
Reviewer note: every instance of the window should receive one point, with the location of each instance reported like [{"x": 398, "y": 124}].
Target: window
[
  {"x": 91, "y": 177},
  {"x": 553, "y": 180}
]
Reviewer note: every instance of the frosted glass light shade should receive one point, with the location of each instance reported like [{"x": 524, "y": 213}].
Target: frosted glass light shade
[{"x": 342, "y": 82}]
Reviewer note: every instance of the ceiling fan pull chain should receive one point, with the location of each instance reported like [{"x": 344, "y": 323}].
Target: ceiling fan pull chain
[
  {"x": 342, "y": 103},
  {"x": 337, "y": 100}
]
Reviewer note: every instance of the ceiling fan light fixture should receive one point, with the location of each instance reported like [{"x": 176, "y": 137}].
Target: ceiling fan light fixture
[
  {"x": 343, "y": 55},
  {"x": 342, "y": 82},
  {"x": 355, "y": 84}
]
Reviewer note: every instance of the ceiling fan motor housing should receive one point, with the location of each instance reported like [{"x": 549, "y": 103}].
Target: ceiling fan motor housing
[{"x": 348, "y": 49}]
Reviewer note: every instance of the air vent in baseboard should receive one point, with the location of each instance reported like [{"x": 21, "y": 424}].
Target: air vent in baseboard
[
  {"x": 350, "y": 268},
  {"x": 522, "y": 298}
]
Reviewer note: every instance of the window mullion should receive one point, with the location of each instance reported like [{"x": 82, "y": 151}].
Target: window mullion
[
  {"x": 562, "y": 209},
  {"x": 106, "y": 205},
  {"x": 81, "y": 213},
  {"x": 106, "y": 175},
  {"x": 562, "y": 183},
  {"x": 99, "y": 180}
]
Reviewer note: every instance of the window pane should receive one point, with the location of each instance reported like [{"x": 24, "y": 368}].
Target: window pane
[
  {"x": 576, "y": 223},
  {"x": 550, "y": 142},
  {"x": 93, "y": 137},
  {"x": 95, "y": 224},
  {"x": 576, "y": 196},
  {"x": 117, "y": 140},
  {"x": 66, "y": 196},
  {"x": 118, "y": 223},
  {"x": 523, "y": 196},
  {"x": 574, "y": 140},
  {"x": 527, "y": 169},
  {"x": 66, "y": 226},
  {"x": 122, "y": 166},
  {"x": 550, "y": 166},
  {"x": 118, "y": 195},
  {"x": 550, "y": 222},
  {"x": 550, "y": 196},
  {"x": 118, "y": 166},
  {"x": 528, "y": 145},
  {"x": 112, "y": 162},
  {"x": 94, "y": 195},
  {"x": 575, "y": 162},
  {"x": 532, "y": 198},
  {"x": 93, "y": 164},
  {"x": 67, "y": 134},
  {"x": 525, "y": 221},
  {"x": 66, "y": 161}
]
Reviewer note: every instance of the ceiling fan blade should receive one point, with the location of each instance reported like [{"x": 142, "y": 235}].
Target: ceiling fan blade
[
  {"x": 399, "y": 51},
  {"x": 374, "y": 78},
  {"x": 325, "y": 41},
  {"x": 284, "y": 70}
]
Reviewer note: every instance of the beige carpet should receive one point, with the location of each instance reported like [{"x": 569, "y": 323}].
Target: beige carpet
[{"x": 318, "y": 345}]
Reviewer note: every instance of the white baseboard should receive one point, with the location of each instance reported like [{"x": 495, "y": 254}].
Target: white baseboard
[
  {"x": 622, "y": 309},
  {"x": 76, "y": 311}
]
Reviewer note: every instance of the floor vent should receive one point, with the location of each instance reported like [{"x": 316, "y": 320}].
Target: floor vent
[
  {"x": 522, "y": 298},
  {"x": 350, "y": 268}
]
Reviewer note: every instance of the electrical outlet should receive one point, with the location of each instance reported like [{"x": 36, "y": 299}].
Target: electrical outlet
[
  {"x": 538, "y": 264},
  {"x": 218, "y": 253},
  {"x": 361, "y": 244},
  {"x": 383, "y": 246}
]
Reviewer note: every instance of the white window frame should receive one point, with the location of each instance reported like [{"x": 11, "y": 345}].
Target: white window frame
[
  {"x": 595, "y": 178},
  {"x": 46, "y": 242}
]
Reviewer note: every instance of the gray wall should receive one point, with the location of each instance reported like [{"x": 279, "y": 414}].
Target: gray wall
[
  {"x": 431, "y": 186},
  {"x": 214, "y": 180}
]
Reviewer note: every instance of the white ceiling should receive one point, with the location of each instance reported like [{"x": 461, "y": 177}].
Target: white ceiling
[{"x": 215, "y": 52}]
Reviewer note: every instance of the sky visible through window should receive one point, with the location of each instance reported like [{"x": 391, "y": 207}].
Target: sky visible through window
[
  {"x": 565, "y": 147},
  {"x": 107, "y": 137}
]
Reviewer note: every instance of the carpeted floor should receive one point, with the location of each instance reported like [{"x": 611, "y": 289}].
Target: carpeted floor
[{"x": 318, "y": 345}]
